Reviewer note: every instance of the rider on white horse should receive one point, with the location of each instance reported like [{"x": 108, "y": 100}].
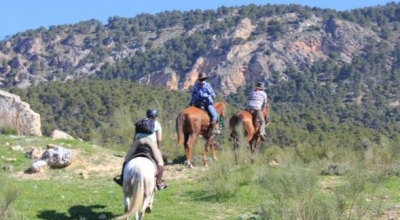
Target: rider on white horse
[{"x": 148, "y": 132}]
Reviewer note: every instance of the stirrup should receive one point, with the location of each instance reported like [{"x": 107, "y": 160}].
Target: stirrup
[
  {"x": 118, "y": 180},
  {"x": 217, "y": 131},
  {"x": 163, "y": 185}
]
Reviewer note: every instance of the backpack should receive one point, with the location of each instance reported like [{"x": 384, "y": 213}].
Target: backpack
[{"x": 145, "y": 126}]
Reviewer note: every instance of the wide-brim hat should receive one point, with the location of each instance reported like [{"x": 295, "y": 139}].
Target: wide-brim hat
[
  {"x": 202, "y": 76},
  {"x": 260, "y": 85}
]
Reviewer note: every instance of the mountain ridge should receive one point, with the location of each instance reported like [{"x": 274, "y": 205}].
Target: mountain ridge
[{"x": 250, "y": 49}]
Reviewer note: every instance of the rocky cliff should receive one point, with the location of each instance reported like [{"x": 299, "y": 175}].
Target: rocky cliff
[{"x": 18, "y": 115}]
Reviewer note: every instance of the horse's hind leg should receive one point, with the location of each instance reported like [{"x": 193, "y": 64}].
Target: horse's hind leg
[
  {"x": 188, "y": 148},
  {"x": 150, "y": 206},
  {"x": 146, "y": 207},
  {"x": 212, "y": 145},
  {"x": 205, "y": 154},
  {"x": 205, "y": 157},
  {"x": 253, "y": 146},
  {"x": 209, "y": 144},
  {"x": 235, "y": 150},
  {"x": 127, "y": 197}
]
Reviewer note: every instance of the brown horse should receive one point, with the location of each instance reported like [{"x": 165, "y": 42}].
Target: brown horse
[
  {"x": 251, "y": 132},
  {"x": 193, "y": 122}
]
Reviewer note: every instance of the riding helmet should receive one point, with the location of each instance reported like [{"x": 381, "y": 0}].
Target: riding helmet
[{"x": 151, "y": 113}]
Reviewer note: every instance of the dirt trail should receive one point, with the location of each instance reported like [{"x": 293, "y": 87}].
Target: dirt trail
[{"x": 106, "y": 165}]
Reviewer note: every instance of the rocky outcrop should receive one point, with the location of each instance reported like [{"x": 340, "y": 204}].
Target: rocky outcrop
[
  {"x": 57, "y": 134},
  {"x": 257, "y": 58},
  {"x": 244, "y": 29},
  {"x": 18, "y": 115},
  {"x": 55, "y": 157}
]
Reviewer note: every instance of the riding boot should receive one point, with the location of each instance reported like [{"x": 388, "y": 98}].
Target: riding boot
[
  {"x": 217, "y": 129},
  {"x": 120, "y": 179},
  {"x": 160, "y": 183}
]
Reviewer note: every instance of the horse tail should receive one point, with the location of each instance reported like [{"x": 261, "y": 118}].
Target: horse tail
[
  {"x": 179, "y": 127},
  {"x": 137, "y": 184},
  {"x": 234, "y": 123}
]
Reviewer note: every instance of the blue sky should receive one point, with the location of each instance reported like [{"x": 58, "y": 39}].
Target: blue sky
[{"x": 20, "y": 15}]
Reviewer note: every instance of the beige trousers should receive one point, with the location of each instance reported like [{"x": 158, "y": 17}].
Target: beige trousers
[
  {"x": 151, "y": 144},
  {"x": 261, "y": 117}
]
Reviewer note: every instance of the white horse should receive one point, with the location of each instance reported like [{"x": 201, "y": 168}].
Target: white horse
[{"x": 138, "y": 187}]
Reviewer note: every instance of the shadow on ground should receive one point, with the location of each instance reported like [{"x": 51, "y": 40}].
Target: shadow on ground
[
  {"x": 204, "y": 196},
  {"x": 76, "y": 212}
]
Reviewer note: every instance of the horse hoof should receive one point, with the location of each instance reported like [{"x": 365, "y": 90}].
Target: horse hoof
[
  {"x": 148, "y": 209},
  {"x": 190, "y": 166}
]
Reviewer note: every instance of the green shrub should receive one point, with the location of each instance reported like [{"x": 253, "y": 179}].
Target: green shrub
[
  {"x": 293, "y": 194},
  {"x": 336, "y": 169},
  {"x": 356, "y": 197},
  {"x": 8, "y": 194},
  {"x": 7, "y": 129}
]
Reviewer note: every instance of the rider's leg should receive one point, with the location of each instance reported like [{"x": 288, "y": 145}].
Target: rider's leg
[
  {"x": 160, "y": 183},
  {"x": 160, "y": 163},
  {"x": 132, "y": 150},
  {"x": 128, "y": 156},
  {"x": 120, "y": 179},
  {"x": 262, "y": 126},
  {"x": 214, "y": 117}
]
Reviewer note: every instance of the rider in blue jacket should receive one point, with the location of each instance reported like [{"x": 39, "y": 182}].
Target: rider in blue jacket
[{"x": 203, "y": 92}]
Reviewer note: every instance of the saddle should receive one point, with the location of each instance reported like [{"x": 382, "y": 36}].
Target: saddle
[
  {"x": 144, "y": 151},
  {"x": 256, "y": 120},
  {"x": 201, "y": 106}
]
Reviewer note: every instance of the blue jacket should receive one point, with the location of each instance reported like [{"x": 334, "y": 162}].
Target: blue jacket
[{"x": 202, "y": 92}]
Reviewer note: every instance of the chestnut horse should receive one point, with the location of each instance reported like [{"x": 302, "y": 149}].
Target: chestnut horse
[
  {"x": 252, "y": 133},
  {"x": 193, "y": 122}
]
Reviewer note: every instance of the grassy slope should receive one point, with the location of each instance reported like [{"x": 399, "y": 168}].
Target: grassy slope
[
  {"x": 199, "y": 193},
  {"x": 65, "y": 194}
]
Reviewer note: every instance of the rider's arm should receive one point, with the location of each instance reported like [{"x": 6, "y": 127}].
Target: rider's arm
[
  {"x": 134, "y": 137},
  {"x": 211, "y": 91},
  {"x": 159, "y": 136},
  {"x": 265, "y": 99}
]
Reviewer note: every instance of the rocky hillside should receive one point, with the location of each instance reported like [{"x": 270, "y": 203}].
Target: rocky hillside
[{"x": 236, "y": 45}]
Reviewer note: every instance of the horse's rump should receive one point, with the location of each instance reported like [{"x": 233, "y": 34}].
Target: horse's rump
[
  {"x": 139, "y": 185},
  {"x": 191, "y": 120},
  {"x": 244, "y": 118},
  {"x": 255, "y": 119}
]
